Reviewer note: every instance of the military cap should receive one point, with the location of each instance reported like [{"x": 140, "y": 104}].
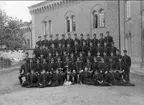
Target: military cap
[
  {"x": 57, "y": 35},
  {"x": 51, "y": 36},
  {"x": 94, "y": 34},
  {"x": 63, "y": 35},
  {"x": 101, "y": 34},
  {"x": 81, "y": 34},
  {"x": 125, "y": 51},
  {"x": 39, "y": 36},
  {"x": 88, "y": 34},
  {"x": 45, "y": 35},
  {"x": 75, "y": 34}
]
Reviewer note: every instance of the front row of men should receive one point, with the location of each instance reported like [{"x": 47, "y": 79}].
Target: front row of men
[{"x": 103, "y": 71}]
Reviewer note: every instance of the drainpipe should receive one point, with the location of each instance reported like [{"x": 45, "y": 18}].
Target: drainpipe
[
  {"x": 141, "y": 10},
  {"x": 119, "y": 25}
]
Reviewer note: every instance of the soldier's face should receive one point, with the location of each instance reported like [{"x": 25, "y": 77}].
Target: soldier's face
[
  {"x": 39, "y": 38},
  {"x": 111, "y": 54}
]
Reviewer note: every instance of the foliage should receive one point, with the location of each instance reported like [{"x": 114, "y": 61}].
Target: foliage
[{"x": 10, "y": 33}]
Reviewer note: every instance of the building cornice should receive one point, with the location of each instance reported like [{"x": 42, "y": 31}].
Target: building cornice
[{"x": 50, "y": 5}]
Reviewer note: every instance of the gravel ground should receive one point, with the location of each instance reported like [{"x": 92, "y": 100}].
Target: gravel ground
[{"x": 12, "y": 94}]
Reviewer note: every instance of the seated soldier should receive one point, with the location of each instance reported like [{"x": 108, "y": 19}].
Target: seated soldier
[
  {"x": 69, "y": 49},
  {"x": 119, "y": 73},
  {"x": 82, "y": 57},
  {"x": 76, "y": 48},
  {"x": 98, "y": 57},
  {"x": 55, "y": 79},
  {"x": 89, "y": 56},
  {"x": 109, "y": 73},
  {"x": 106, "y": 58},
  {"x": 48, "y": 59},
  {"x": 101, "y": 71},
  {"x": 24, "y": 74},
  {"x": 95, "y": 65},
  {"x": 60, "y": 49},
  {"x": 86, "y": 76},
  {"x": 73, "y": 76},
  {"x": 53, "y": 50},
  {"x": 100, "y": 49}
]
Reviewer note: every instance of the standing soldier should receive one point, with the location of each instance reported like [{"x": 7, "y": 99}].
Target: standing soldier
[
  {"x": 106, "y": 58},
  {"x": 81, "y": 40},
  {"x": 53, "y": 50},
  {"x": 118, "y": 55},
  {"x": 39, "y": 42},
  {"x": 70, "y": 40},
  {"x": 84, "y": 48},
  {"x": 98, "y": 57},
  {"x": 95, "y": 40},
  {"x": 56, "y": 41},
  {"x": 63, "y": 40},
  {"x": 76, "y": 39},
  {"x": 82, "y": 57},
  {"x": 49, "y": 57},
  {"x": 127, "y": 65},
  {"x": 106, "y": 49},
  {"x": 95, "y": 65},
  {"x": 93, "y": 49},
  {"x": 45, "y": 41},
  {"x": 79, "y": 69},
  {"x": 36, "y": 51},
  {"x": 50, "y": 41},
  {"x": 88, "y": 40},
  {"x": 108, "y": 39},
  {"x": 60, "y": 49},
  {"x": 27, "y": 59},
  {"x": 113, "y": 48},
  {"x": 100, "y": 49},
  {"x": 90, "y": 57},
  {"x": 76, "y": 49},
  {"x": 69, "y": 49},
  {"x": 101, "y": 40}
]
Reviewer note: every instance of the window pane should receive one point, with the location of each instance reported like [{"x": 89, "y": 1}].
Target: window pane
[
  {"x": 95, "y": 20},
  {"x": 68, "y": 25},
  {"x": 73, "y": 24}
]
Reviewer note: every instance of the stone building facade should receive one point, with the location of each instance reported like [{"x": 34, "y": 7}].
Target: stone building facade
[{"x": 123, "y": 18}]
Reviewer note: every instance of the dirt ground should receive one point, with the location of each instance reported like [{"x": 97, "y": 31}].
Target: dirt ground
[{"x": 12, "y": 94}]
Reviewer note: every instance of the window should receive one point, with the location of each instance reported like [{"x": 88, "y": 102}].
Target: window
[
  {"x": 50, "y": 27},
  {"x": 95, "y": 19},
  {"x": 98, "y": 18},
  {"x": 73, "y": 23},
  {"x": 128, "y": 8},
  {"x": 68, "y": 24},
  {"x": 102, "y": 18}
]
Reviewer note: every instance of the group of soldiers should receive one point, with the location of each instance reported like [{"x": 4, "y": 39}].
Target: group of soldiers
[{"x": 71, "y": 61}]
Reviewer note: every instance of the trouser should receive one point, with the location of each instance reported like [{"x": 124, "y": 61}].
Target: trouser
[
  {"x": 34, "y": 78},
  {"x": 43, "y": 79},
  {"x": 109, "y": 77},
  {"x": 119, "y": 78},
  {"x": 25, "y": 76},
  {"x": 73, "y": 77},
  {"x": 126, "y": 74}
]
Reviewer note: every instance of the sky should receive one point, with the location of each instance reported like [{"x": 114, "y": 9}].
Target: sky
[{"x": 18, "y": 9}]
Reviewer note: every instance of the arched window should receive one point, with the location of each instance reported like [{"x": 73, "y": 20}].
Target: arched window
[
  {"x": 50, "y": 27},
  {"x": 73, "y": 23},
  {"x": 95, "y": 19},
  {"x": 68, "y": 24},
  {"x": 102, "y": 18}
]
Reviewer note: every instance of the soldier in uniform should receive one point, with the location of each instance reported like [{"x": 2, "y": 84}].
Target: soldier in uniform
[
  {"x": 39, "y": 42},
  {"x": 106, "y": 49},
  {"x": 24, "y": 74},
  {"x": 49, "y": 57},
  {"x": 118, "y": 55},
  {"x": 76, "y": 39},
  {"x": 79, "y": 66},
  {"x": 127, "y": 65},
  {"x": 84, "y": 48},
  {"x": 119, "y": 73},
  {"x": 95, "y": 40},
  {"x": 70, "y": 40},
  {"x": 69, "y": 49},
  {"x": 82, "y": 57},
  {"x": 27, "y": 57},
  {"x": 60, "y": 49},
  {"x": 108, "y": 39},
  {"x": 56, "y": 41},
  {"x": 89, "y": 56},
  {"x": 43, "y": 74},
  {"x": 53, "y": 50},
  {"x": 92, "y": 49},
  {"x": 36, "y": 51},
  {"x": 88, "y": 40},
  {"x": 100, "y": 49},
  {"x": 63, "y": 40},
  {"x": 101, "y": 40},
  {"x": 113, "y": 48},
  {"x": 76, "y": 49},
  {"x": 98, "y": 57},
  {"x": 50, "y": 41},
  {"x": 45, "y": 41},
  {"x": 81, "y": 40}
]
